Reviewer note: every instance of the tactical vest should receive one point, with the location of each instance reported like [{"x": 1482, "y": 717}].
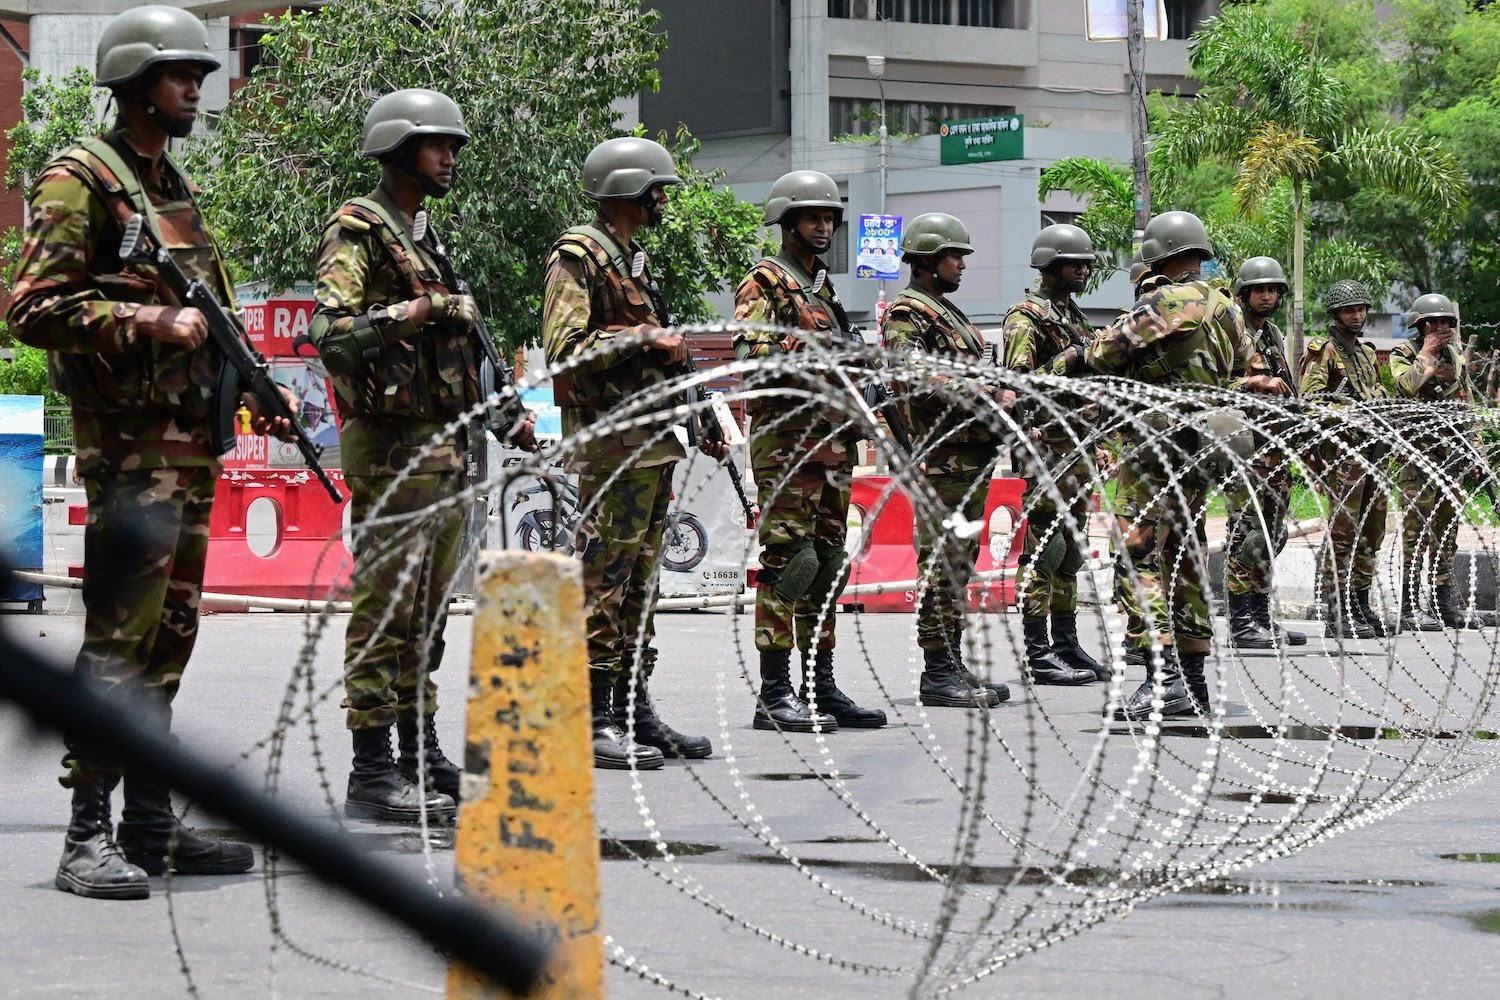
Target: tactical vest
[
  {"x": 1368, "y": 385},
  {"x": 1058, "y": 337},
  {"x": 811, "y": 311},
  {"x": 1445, "y": 383},
  {"x": 959, "y": 338},
  {"x": 1197, "y": 356},
  {"x": 151, "y": 375},
  {"x": 437, "y": 376},
  {"x": 620, "y": 301}
]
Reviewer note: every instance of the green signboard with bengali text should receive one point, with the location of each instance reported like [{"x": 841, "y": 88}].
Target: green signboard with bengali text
[{"x": 982, "y": 140}]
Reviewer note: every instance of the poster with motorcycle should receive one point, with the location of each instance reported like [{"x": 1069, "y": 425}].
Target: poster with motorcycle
[{"x": 703, "y": 549}]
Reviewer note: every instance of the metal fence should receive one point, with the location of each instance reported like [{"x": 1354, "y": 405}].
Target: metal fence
[{"x": 57, "y": 426}]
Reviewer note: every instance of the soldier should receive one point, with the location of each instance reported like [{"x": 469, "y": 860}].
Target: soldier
[
  {"x": 1181, "y": 332},
  {"x": 1046, "y": 332},
  {"x": 1340, "y": 367},
  {"x": 1250, "y": 553},
  {"x": 397, "y": 339},
  {"x": 1429, "y": 367},
  {"x": 140, "y": 374},
  {"x": 803, "y": 461},
  {"x": 599, "y": 292},
  {"x": 922, "y": 322}
]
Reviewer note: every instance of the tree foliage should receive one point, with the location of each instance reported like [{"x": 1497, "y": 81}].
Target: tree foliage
[{"x": 538, "y": 85}]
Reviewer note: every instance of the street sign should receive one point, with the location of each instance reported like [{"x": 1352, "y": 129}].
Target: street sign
[
  {"x": 982, "y": 140},
  {"x": 878, "y": 254},
  {"x": 1107, "y": 20}
]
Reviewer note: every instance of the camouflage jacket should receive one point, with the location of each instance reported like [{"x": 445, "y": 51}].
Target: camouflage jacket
[
  {"x": 918, "y": 326},
  {"x": 137, "y": 402},
  {"x": 791, "y": 430},
  {"x": 1186, "y": 332},
  {"x": 1270, "y": 354},
  {"x": 1447, "y": 380},
  {"x": 1038, "y": 331},
  {"x": 1341, "y": 365},
  {"x": 367, "y": 263},
  {"x": 595, "y": 293}
]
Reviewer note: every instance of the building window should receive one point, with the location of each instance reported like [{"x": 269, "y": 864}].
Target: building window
[
  {"x": 838, "y": 253},
  {"x": 861, "y": 115},
  {"x": 968, "y": 13},
  {"x": 246, "y": 41},
  {"x": 1184, "y": 16}
]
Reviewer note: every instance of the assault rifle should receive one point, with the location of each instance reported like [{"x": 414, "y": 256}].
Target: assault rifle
[
  {"x": 495, "y": 376},
  {"x": 241, "y": 370}
]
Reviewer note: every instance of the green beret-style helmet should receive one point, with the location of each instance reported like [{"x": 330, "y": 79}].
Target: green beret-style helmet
[
  {"x": 1172, "y": 233},
  {"x": 1432, "y": 306},
  {"x": 143, "y": 37},
  {"x": 802, "y": 189},
  {"x": 403, "y": 114},
  {"x": 934, "y": 232},
  {"x": 1344, "y": 293},
  {"x": 1261, "y": 271},
  {"x": 627, "y": 167},
  {"x": 1061, "y": 242}
]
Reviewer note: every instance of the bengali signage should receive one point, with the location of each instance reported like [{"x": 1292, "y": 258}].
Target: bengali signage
[{"x": 982, "y": 140}]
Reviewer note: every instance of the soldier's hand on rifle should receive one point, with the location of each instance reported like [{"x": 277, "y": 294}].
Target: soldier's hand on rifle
[
  {"x": 176, "y": 325},
  {"x": 668, "y": 342},
  {"x": 1004, "y": 398},
  {"x": 716, "y": 450},
  {"x": 282, "y": 428},
  {"x": 524, "y": 436},
  {"x": 459, "y": 313},
  {"x": 418, "y": 310},
  {"x": 1268, "y": 384}
]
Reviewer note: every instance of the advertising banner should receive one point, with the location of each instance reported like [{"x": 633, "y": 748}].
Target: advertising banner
[
  {"x": 21, "y": 446},
  {"x": 1108, "y": 20},
  {"x": 878, "y": 252}
]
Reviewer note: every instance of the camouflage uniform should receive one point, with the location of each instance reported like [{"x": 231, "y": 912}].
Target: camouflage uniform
[
  {"x": 801, "y": 463},
  {"x": 625, "y": 477},
  {"x": 1429, "y": 519},
  {"x": 1183, "y": 333},
  {"x": 959, "y": 468},
  {"x": 141, "y": 412},
  {"x": 1343, "y": 367},
  {"x": 1038, "y": 330},
  {"x": 1249, "y": 553},
  {"x": 368, "y": 266}
]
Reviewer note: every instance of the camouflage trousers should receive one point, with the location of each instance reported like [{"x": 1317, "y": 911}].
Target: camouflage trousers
[
  {"x": 940, "y": 616},
  {"x": 810, "y": 509},
  {"x": 403, "y": 573},
  {"x": 144, "y": 548},
  {"x": 1357, "y": 506},
  {"x": 1050, "y": 549},
  {"x": 620, "y": 542},
  {"x": 1429, "y": 532},
  {"x": 1257, "y": 528},
  {"x": 1160, "y": 582}
]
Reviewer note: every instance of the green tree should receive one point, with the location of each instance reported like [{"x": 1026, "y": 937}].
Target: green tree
[
  {"x": 1274, "y": 107},
  {"x": 538, "y": 87}
]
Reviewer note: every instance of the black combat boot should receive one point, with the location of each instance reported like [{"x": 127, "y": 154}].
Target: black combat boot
[
  {"x": 1365, "y": 613},
  {"x": 377, "y": 790},
  {"x": 1176, "y": 701},
  {"x": 1340, "y": 620},
  {"x": 942, "y": 686},
  {"x": 613, "y": 750},
  {"x": 649, "y": 729},
  {"x": 92, "y": 863},
  {"x": 998, "y": 692},
  {"x": 1068, "y": 649},
  {"x": 1245, "y": 629},
  {"x": 1261, "y": 603},
  {"x": 153, "y": 840},
  {"x": 1413, "y": 617},
  {"x": 778, "y": 707},
  {"x": 1442, "y": 602},
  {"x": 442, "y": 773},
  {"x": 1043, "y": 663},
  {"x": 833, "y": 701},
  {"x": 1195, "y": 679}
]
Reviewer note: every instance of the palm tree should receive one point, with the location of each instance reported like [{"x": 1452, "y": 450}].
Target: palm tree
[{"x": 1276, "y": 110}]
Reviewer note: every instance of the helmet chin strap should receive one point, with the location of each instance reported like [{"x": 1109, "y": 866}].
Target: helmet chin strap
[{"x": 804, "y": 242}]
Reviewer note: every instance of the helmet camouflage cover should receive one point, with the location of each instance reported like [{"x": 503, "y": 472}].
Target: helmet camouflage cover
[
  {"x": 1344, "y": 293},
  {"x": 143, "y": 37},
  {"x": 934, "y": 232}
]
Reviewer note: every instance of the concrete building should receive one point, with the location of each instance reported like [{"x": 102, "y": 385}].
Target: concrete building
[{"x": 777, "y": 85}]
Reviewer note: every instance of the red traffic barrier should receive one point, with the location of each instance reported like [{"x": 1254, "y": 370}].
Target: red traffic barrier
[
  {"x": 888, "y": 551},
  {"x": 301, "y": 563}
]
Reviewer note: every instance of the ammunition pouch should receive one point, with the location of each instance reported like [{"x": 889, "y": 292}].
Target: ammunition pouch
[{"x": 350, "y": 352}]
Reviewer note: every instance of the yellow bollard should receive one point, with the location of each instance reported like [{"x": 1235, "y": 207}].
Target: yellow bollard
[{"x": 526, "y": 834}]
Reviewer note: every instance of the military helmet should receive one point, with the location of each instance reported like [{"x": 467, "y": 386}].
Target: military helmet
[
  {"x": 402, "y": 114},
  {"x": 934, "y": 232},
  {"x": 1344, "y": 293},
  {"x": 1061, "y": 242},
  {"x": 143, "y": 37},
  {"x": 627, "y": 166},
  {"x": 1138, "y": 269},
  {"x": 1261, "y": 271},
  {"x": 1172, "y": 233},
  {"x": 1432, "y": 306},
  {"x": 802, "y": 189}
]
